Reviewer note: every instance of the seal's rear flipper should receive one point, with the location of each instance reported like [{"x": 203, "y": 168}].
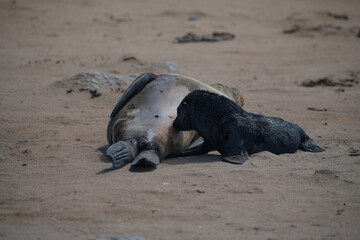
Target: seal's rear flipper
[
  {"x": 121, "y": 153},
  {"x": 147, "y": 158},
  {"x": 236, "y": 159},
  {"x": 310, "y": 146}
]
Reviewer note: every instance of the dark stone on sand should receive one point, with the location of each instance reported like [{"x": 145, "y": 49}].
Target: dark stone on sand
[
  {"x": 338, "y": 16},
  {"x": 128, "y": 58},
  {"x": 326, "y": 81},
  {"x": 339, "y": 211},
  {"x": 193, "y": 18},
  {"x": 190, "y": 37},
  {"x": 340, "y": 90},
  {"x": 325, "y": 172},
  {"x": 317, "y": 109},
  {"x": 215, "y": 37},
  {"x": 126, "y": 237},
  {"x": 354, "y": 152},
  {"x": 305, "y": 29},
  {"x": 348, "y": 181},
  {"x": 291, "y": 30},
  {"x": 94, "y": 93}
]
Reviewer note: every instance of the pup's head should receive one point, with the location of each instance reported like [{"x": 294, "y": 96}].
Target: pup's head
[
  {"x": 191, "y": 106},
  {"x": 183, "y": 119}
]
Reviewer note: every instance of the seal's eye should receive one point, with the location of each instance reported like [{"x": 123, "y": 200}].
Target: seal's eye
[{"x": 184, "y": 103}]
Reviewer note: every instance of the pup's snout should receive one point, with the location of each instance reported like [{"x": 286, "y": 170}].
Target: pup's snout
[{"x": 176, "y": 123}]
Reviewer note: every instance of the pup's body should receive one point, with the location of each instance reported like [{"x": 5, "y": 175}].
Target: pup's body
[{"x": 235, "y": 133}]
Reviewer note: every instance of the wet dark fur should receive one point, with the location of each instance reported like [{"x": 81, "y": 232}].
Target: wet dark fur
[{"x": 229, "y": 129}]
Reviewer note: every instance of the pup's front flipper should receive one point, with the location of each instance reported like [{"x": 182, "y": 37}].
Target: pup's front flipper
[
  {"x": 121, "y": 153},
  {"x": 236, "y": 159},
  {"x": 234, "y": 150}
]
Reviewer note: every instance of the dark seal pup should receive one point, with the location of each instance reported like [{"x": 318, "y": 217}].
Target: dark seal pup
[{"x": 235, "y": 133}]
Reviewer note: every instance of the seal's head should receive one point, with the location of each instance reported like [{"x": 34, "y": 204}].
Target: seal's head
[{"x": 231, "y": 93}]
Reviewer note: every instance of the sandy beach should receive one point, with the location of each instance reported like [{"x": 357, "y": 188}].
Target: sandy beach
[{"x": 297, "y": 60}]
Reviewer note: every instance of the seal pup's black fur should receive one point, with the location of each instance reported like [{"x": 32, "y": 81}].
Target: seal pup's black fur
[{"x": 235, "y": 133}]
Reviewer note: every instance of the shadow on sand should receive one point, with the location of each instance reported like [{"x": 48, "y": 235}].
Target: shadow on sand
[{"x": 206, "y": 158}]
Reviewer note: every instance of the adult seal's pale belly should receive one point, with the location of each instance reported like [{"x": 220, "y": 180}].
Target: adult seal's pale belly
[{"x": 140, "y": 129}]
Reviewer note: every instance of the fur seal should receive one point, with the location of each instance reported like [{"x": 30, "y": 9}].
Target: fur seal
[
  {"x": 140, "y": 128},
  {"x": 235, "y": 133}
]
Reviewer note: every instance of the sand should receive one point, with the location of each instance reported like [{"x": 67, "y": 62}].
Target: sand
[{"x": 50, "y": 139}]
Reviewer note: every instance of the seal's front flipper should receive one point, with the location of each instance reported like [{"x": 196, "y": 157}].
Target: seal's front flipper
[
  {"x": 236, "y": 159},
  {"x": 148, "y": 158},
  {"x": 197, "y": 147},
  {"x": 121, "y": 153},
  {"x": 194, "y": 145},
  {"x": 310, "y": 146}
]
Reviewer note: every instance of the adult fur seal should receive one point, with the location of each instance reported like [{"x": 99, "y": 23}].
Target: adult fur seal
[
  {"x": 235, "y": 133},
  {"x": 140, "y": 128}
]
